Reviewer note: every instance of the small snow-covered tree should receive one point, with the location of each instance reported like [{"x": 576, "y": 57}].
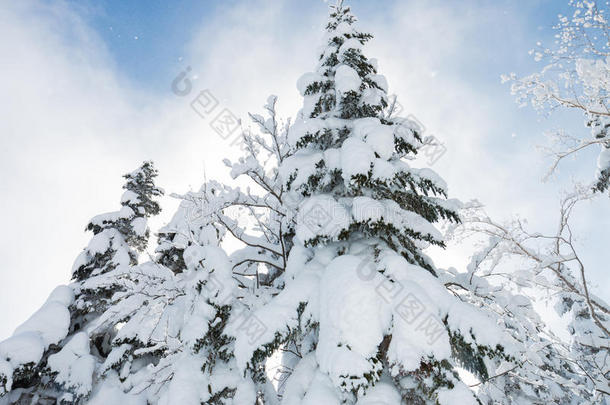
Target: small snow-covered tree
[
  {"x": 362, "y": 308},
  {"x": 118, "y": 237},
  {"x": 576, "y": 76},
  {"x": 57, "y": 338}
]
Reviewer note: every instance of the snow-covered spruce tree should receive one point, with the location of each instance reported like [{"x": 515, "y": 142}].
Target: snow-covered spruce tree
[
  {"x": 362, "y": 304},
  {"x": 62, "y": 352},
  {"x": 171, "y": 346},
  {"x": 118, "y": 237}
]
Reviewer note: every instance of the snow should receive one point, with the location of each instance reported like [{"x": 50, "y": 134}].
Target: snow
[
  {"x": 138, "y": 224},
  {"x": 303, "y": 165},
  {"x": 110, "y": 392},
  {"x": 383, "y": 170},
  {"x": 603, "y": 160},
  {"x": 356, "y": 158},
  {"x": 372, "y": 96},
  {"x": 383, "y": 393},
  {"x": 130, "y": 197},
  {"x": 378, "y": 136},
  {"x": 277, "y": 316},
  {"x": 51, "y": 321},
  {"x": 22, "y": 349},
  {"x": 62, "y": 294},
  {"x": 99, "y": 244},
  {"x": 353, "y": 320},
  {"x": 382, "y": 141},
  {"x": 351, "y": 43},
  {"x": 431, "y": 175},
  {"x": 460, "y": 394},
  {"x": 306, "y": 80},
  {"x": 102, "y": 219},
  {"x": 185, "y": 386},
  {"x": 365, "y": 209},
  {"x": 47, "y": 326},
  {"x": 381, "y": 81},
  {"x": 321, "y": 215},
  {"x": 368, "y": 209},
  {"x": 321, "y": 392},
  {"x": 74, "y": 365},
  {"x": 300, "y": 380},
  {"x": 126, "y": 212},
  {"x": 346, "y": 79}
]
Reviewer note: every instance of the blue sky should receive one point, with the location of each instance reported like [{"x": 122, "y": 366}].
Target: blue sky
[
  {"x": 88, "y": 101},
  {"x": 148, "y": 40}
]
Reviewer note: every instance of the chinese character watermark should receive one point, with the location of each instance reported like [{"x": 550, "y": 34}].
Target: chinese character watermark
[{"x": 219, "y": 118}]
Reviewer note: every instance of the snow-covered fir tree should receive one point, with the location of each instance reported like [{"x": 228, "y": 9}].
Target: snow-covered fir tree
[
  {"x": 171, "y": 346},
  {"x": 53, "y": 356},
  {"x": 363, "y": 309}
]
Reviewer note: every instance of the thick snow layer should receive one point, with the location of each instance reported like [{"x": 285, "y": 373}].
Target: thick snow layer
[
  {"x": 368, "y": 209},
  {"x": 431, "y": 175},
  {"x": 346, "y": 79},
  {"x": 100, "y": 243},
  {"x": 356, "y": 158},
  {"x": 299, "y": 381},
  {"x": 321, "y": 392},
  {"x": 126, "y": 212},
  {"x": 321, "y": 215},
  {"x": 372, "y": 96},
  {"x": 110, "y": 392},
  {"x": 353, "y": 319},
  {"x": 302, "y": 165},
  {"x": 129, "y": 197},
  {"x": 51, "y": 321},
  {"x": 303, "y": 127},
  {"x": 216, "y": 271},
  {"x": 460, "y": 394},
  {"x": 278, "y": 316},
  {"x": 365, "y": 209},
  {"x": 351, "y": 43},
  {"x": 62, "y": 294},
  {"x": 383, "y": 393},
  {"x": 74, "y": 365},
  {"x": 306, "y": 80},
  {"x": 105, "y": 218},
  {"x": 383, "y": 170},
  {"x": 380, "y": 137},
  {"x": 138, "y": 225},
  {"x": 185, "y": 386},
  {"x": 22, "y": 349},
  {"x": 47, "y": 326}
]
